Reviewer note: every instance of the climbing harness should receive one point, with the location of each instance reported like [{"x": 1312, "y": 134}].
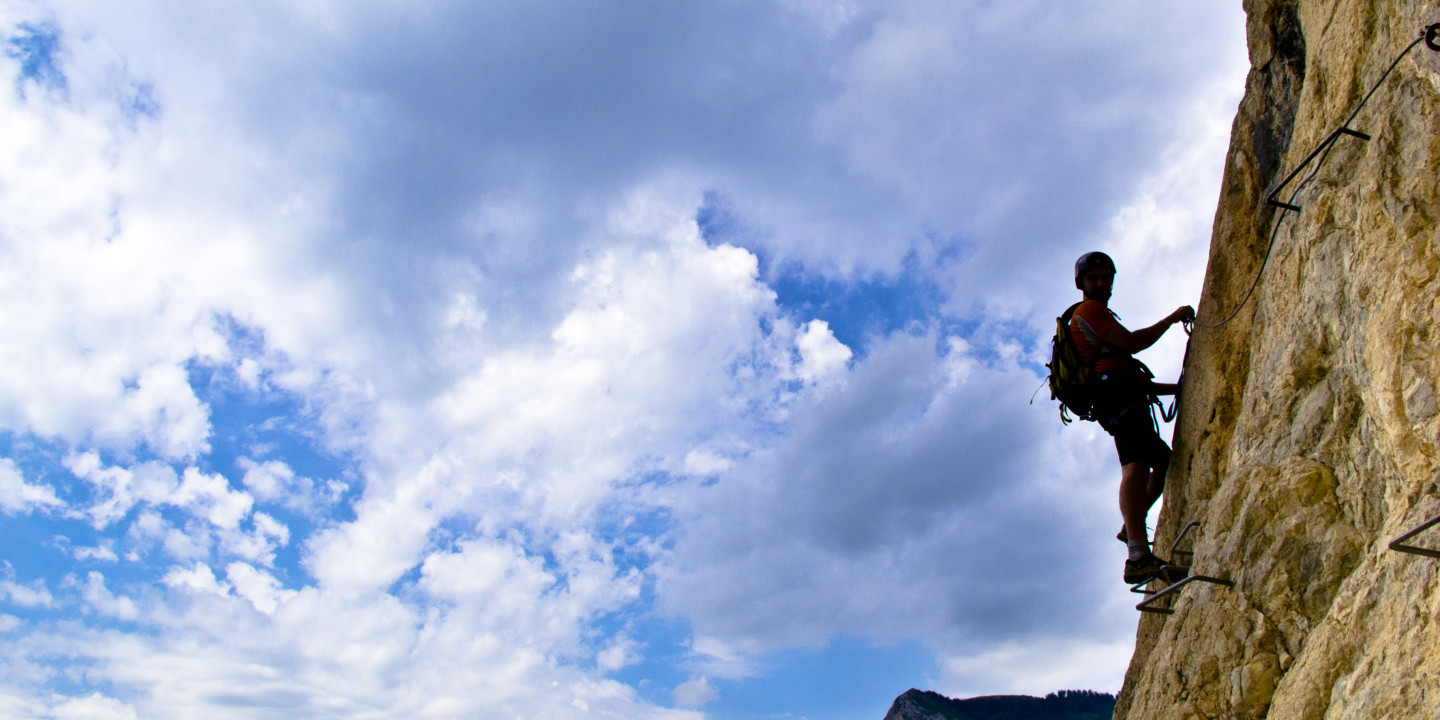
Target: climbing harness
[
  {"x": 1168, "y": 413},
  {"x": 1073, "y": 382},
  {"x": 1431, "y": 37}
]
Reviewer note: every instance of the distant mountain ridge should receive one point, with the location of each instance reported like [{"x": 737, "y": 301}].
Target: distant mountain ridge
[{"x": 1064, "y": 705}]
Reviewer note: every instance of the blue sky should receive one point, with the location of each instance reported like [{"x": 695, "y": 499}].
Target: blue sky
[{"x": 633, "y": 360}]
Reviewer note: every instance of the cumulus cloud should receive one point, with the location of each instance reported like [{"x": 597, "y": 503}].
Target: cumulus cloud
[
  {"x": 619, "y": 654},
  {"x": 261, "y": 589},
  {"x": 453, "y": 252},
  {"x": 268, "y": 481},
  {"x": 199, "y": 578},
  {"x": 101, "y": 600},
  {"x": 1034, "y": 668},
  {"x": 695, "y": 693},
  {"x": 120, "y": 489},
  {"x": 104, "y": 552},
  {"x": 18, "y": 496},
  {"x": 273, "y": 481},
  {"x": 93, "y": 707},
  {"x": 66, "y": 288},
  {"x": 882, "y": 480},
  {"x": 33, "y": 594},
  {"x": 820, "y": 353}
]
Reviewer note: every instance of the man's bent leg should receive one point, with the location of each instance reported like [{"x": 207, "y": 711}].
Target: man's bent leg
[
  {"x": 1154, "y": 488},
  {"x": 1135, "y": 502},
  {"x": 1158, "y": 465}
]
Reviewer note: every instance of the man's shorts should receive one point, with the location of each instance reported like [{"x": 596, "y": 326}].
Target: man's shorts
[{"x": 1124, "y": 404}]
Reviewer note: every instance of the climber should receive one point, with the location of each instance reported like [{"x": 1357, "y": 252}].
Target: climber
[{"x": 1124, "y": 393}]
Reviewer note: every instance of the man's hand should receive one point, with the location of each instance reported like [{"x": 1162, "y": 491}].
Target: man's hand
[{"x": 1132, "y": 343}]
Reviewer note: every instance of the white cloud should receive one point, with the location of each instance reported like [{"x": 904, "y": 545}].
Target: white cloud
[
  {"x": 249, "y": 372},
  {"x": 1036, "y": 667},
  {"x": 193, "y": 540},
  {"x": 166, "y": 412},
  {"x": 258, "y": 544},
  {"x": 261, "y": 589},
  {"x": 820, "y": 353},
  {"x": 621, "y": 653},
  {"x": 928, "y": 476},
  {"x": 33, "y": 594},
  {"x": 267, "y": 481},
  {"x": 471, "y": 262},
  {"x": 210, "y": 497},
  {"x": 121, "y": 489},
  {"x": 662, "y": 326},
  {"x": 66, "y": 288},
  {"x": 496, "y": 574},
  {"x": 18, "y": 496},
  {"x": 218, "y": 511},
  {"x": 93, "y": 707},
  {"x": 272, "y": 481},
  {"x": 714, "y": 656},
  {"x": 695, "y": 693},
  {"x": 199, "y": 578},
  {"x": 704, "y": 461},
  {"x": 104, "y": 552},
  {"x": 100, "y": 599}
]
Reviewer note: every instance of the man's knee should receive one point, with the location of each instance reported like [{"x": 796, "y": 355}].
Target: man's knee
[
  {"x": 1160, "y": 464},
  {"x": 1134, "y": 471}
]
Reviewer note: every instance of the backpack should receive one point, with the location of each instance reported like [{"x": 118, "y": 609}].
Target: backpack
[{"x": 1072, "y": 380}]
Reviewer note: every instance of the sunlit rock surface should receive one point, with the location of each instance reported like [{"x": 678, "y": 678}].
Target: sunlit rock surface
[{"x": 1309, "y": 430}]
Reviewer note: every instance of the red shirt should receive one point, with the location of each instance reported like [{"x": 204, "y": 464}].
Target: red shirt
[{"x": 1088, "y": 326}]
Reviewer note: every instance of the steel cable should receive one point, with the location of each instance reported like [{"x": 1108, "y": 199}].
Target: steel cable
[{"x": 1431, "y": 37}]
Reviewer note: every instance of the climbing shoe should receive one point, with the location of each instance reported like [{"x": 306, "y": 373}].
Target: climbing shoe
[{"x": 1150, "y": 567}]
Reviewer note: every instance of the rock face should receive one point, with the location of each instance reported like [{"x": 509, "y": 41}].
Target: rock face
[{"x": 1310, "y": 424}]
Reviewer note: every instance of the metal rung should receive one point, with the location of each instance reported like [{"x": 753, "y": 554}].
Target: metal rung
[
  {"x": 1142, "y": 588},
  {"x": 1139, "y": 588},
  {"x": 1398, "y": 543},
  {"x": 1144, "y": 605},
  {"x": 1188, "y": 553},
  {"x": 1329, "y": 139}
]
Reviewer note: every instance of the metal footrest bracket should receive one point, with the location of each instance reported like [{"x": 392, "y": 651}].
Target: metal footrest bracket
[
  {"x": 1182, "y": 559},
  {"x": 1399, "y": 542},
  {"x": 1146, "y": 604},
  {"x": 1143, "y": 587},
  {"x": 1176, "y": 552},
  {"x": 1179, "y": 558}
]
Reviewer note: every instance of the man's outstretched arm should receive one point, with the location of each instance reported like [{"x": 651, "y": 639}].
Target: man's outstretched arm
[{"x": 1134, "y": 342}]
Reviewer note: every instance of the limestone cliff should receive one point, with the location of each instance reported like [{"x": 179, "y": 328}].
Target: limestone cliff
[{"x": 1310, "y": 425}]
